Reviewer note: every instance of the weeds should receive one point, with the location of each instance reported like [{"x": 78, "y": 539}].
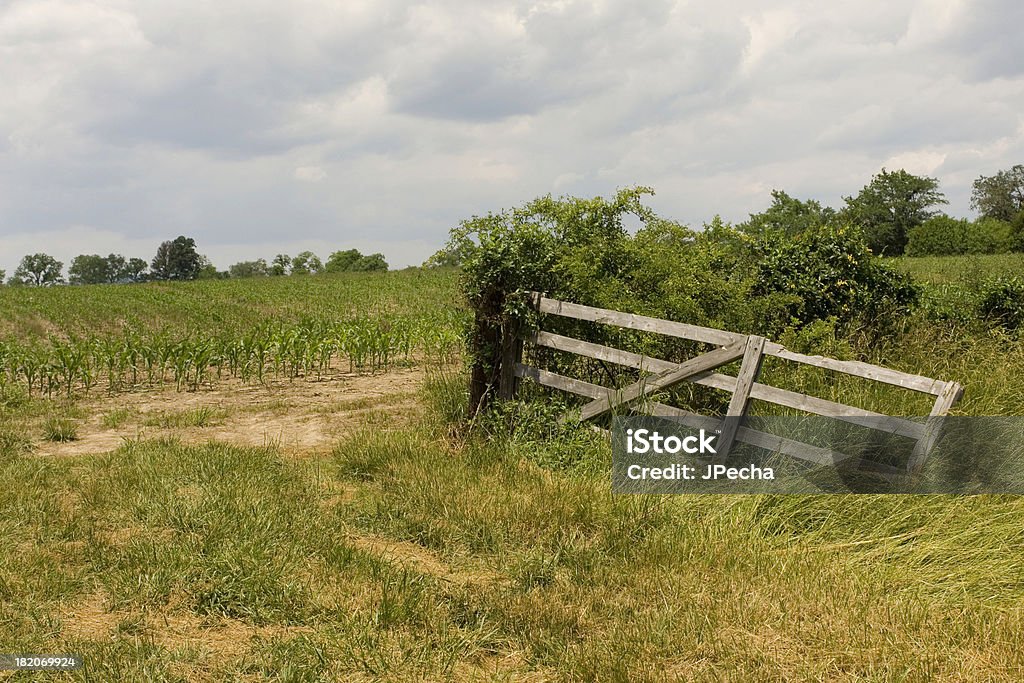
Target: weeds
[
  {"x": 202, "y": 416},
  {"x": 57, "y": 428}
]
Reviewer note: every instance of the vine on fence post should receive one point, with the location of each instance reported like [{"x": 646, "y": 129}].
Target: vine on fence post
[
  {"x": 485, "y": 350},
  {"x": 548, "y": 245},
  {"x": 496, "y": 346}
]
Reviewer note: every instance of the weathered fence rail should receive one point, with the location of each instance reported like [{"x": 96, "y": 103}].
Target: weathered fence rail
[{"x": 750, "y": 350}]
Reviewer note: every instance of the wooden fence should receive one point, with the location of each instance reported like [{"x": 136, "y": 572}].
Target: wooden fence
[{"x": 658, "y": 375}]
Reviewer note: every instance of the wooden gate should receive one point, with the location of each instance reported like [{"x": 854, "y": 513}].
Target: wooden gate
[{"x": 658, "y": 375}]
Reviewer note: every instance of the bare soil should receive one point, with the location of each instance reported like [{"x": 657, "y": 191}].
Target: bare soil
[{"x": 300, "y": 416}]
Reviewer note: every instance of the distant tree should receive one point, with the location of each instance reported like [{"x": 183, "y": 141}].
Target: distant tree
[
  {"x": 208, "y": 271},
  {"x": 1000, "y": 196},
  {"x": 305, "y": 263},
  {"x": 257, "y": 268},
  {"x": 789, "y": 216},
  {"x": 135, "y": 270},
  {"x": 177, "y": 260},
  {"x": 89, "y": 269},
  {"x": 371, "y": 262},
  {"x": 1017, "y": 232},
  {"x": 38, "y": 270},
  {"x": 452, "y": 255},
  {"x": 116, "y": 265},
  {"x": 890, "y": 206},
  {"x": 341, "y": 261},
  {"x": 945, "y": 236},
  {"x": 3, "y": 273},
  {"x": 281, "y": 264}
]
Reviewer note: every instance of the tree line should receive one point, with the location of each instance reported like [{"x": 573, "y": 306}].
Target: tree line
[
  {"x": 178, "y": 259},
  {"x": 899, "y": 214},
  {"x": 896, "y": 212}
]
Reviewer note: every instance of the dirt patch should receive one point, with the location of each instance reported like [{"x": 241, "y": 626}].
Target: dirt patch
[
  {"x": 301, "y": 416},
  {"x": 92, "y": 620}
]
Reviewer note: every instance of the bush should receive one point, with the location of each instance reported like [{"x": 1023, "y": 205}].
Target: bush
[
  {"x": 945, "y": 236},
  {"x": 1002, "y": 302},
  {"x": 829, "y": 272},
  {"x": 579, "y": 250},
  {"x": 1017, "y": 233}
]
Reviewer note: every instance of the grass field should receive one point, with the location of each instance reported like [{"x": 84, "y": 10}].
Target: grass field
[
  {"x": 960, "y": 270},
  {"x": 340, "y": 527}
]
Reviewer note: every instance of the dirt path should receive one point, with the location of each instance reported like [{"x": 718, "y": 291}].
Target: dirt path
[{"x": 299, "y": 416}]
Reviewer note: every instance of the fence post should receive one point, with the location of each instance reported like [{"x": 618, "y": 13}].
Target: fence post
[
  {"x": 946, "y": 399},
  {"x": 753, "y": 354},
  {"x": 496, "y": 346},
  {"x": 511, "y": 353},
  {"x": 485, "y": 349}
]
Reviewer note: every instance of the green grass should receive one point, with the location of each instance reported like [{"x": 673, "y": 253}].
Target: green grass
[
  {"x": 118, "y": 417},
  {"x": 465, "y": 560},
  {"x": 60, "y": 429},
  {"x": 421, "y": 552},
  {"x": 962, "y": 270},
  {"x": 203, "y": 416}
]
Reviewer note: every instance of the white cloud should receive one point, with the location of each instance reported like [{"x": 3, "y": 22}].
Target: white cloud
[
  {"x": 918, "y": 162},
  {"x": 258, "y": 126},
  {"x": 310, "y": 174}
]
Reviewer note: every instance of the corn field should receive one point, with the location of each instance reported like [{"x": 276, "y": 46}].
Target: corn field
[{"x": 308, "y": 348}]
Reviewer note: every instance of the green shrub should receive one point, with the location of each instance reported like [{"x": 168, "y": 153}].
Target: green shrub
[
  {"x": 1017, "y": 232},
  {"x": 989, "y": 236},
  {"x": 1002, "y": 302},
  {"x": 829, "y": 272},
  {"x": 579, "y": 250},
  {"x": 945, "y": 236}
]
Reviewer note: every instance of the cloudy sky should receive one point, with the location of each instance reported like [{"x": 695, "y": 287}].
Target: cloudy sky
[{"x": 260, "y": 126}]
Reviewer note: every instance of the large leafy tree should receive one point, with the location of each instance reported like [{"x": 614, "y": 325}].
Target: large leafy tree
[
  {"x": 892, "y": 204},
  {"x": 89, "y": 269},
  {"x": 352, "y": 260},
  {"x": 116, "y": 265},
  {"x": 306, "y": 262},
  {"x": 341, "y": 261},
  {"x": 257, "y": 268},
  {"x": 93, "y": 269},
  {"x": 370, "y": 262},
  {"x": 789, "y": 215},
  {"x": 1000, "y": 196},
  {"x": 135, "y": 270},
  {"x": 38, "y": 270},
  {"x": 281, "y": 264},
  {"x": 177, "y": 260}
]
